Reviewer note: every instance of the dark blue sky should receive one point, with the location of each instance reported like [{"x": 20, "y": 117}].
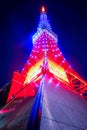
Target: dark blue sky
[{"x": 19, "y": 20}]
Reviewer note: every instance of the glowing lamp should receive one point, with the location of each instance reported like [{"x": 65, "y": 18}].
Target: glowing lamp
[{"x": 43, "y": 9}]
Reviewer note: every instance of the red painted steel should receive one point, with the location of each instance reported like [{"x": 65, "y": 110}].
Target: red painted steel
[{"x": 45, "y": 41}]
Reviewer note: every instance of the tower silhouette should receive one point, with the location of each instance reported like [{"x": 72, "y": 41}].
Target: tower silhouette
[
  {"x": 45, "y": 56},
  {"x": 46, "y": 66}
]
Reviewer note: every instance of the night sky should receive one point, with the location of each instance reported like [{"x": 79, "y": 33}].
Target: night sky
[{"x": 18, "y": 23}]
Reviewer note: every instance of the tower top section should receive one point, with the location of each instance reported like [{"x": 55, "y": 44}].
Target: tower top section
[
  {"x": 44, "y": 23},
  {"x": 44, "y": 27}
]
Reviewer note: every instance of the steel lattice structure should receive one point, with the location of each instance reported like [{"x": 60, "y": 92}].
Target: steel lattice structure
[{"x": 45, "y": 58}]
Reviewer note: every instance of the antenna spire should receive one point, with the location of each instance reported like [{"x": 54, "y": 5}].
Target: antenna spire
[{"x": 44, "y": 23}]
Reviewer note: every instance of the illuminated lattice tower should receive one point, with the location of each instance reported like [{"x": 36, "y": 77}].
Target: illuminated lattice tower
[{"x": 47, "y": 58}]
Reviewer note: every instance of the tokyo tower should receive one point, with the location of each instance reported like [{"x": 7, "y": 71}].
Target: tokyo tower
[{"x": 46, "y": 88}]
